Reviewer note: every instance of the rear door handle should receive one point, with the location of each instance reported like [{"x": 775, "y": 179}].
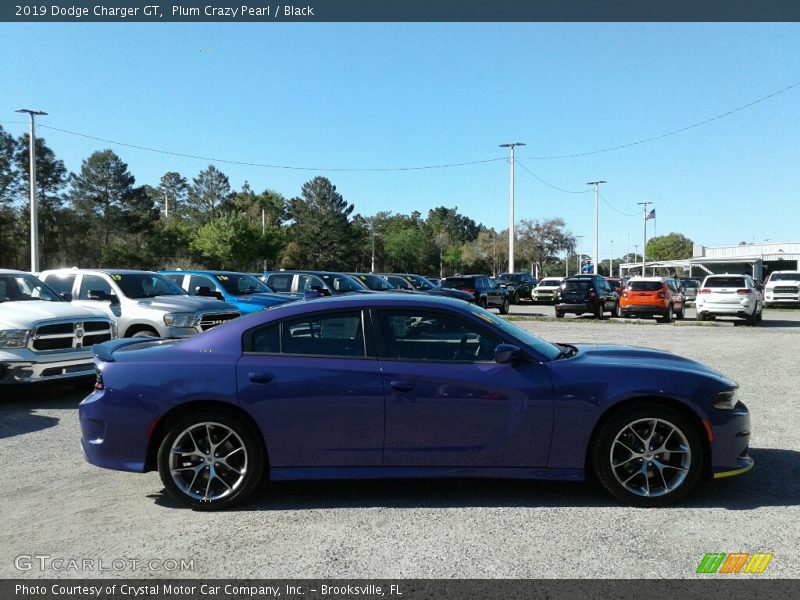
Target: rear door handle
[
  {"x": 401, "y": 386},
  {"x": 260, "y": 377}
]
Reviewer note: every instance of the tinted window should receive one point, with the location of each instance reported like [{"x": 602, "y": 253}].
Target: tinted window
[
  {"x": 400, "y": 283},
  {"x": 266, "y": 340},
  {"x": 307, "y": 283},
  {"x": 421, "y": 283},
  {"x": 176, "y": 279},
  {"x": 281, "y": 282},
  {"x": 60, "y": 284},
  {"x": 94, "y": 283},
  {"x": 645, "y": 286},
  {"x": 240, "y": 284},
  {"x": 577, "y": 285},
  {"x": 725, "y": 282},
  {"x": 690, "y": 283},
  {"x": 338, "y": 334},
  {"x": 549, "y": 282},
  {"x": 374, "y": 282},
  {"x": 198, "y": 281},
  {"x": 342, "y": 283},
  {"x": 433, "y": 336},
  {"x": 458, "y": 282}
]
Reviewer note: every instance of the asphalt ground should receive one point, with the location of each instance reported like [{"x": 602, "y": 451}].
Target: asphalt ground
[{"x": 54, "y": 504}]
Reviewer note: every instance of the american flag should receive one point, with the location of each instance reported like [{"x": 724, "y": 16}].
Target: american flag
[{"x": 651, "y": 215}]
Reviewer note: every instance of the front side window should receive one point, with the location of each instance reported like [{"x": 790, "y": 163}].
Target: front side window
[
  {"x": 97, "y": 286},
  {"x": 241, "y": 284},
  {"x": 326, "y": 334},
  {"x": 146, "y": 285},
  {"x": 281, "y": 282},
  {"x": 434, "y": 336},
  {"x": 61, "y": 284},
  {"x": 198, "y": 281}
]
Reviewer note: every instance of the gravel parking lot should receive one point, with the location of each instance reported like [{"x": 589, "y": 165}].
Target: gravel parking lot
[{"x": 54, "y": 503}]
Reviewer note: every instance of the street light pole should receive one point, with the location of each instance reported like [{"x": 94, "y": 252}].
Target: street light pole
[
  {"x": 596, "y": 185},
  {"x": 580, "y": 251},
  {"x": 511, "y": 208},
  {"x": 34, "y": 207},
  {"x": 611, "y": 261},
  {"x": 372, "y": 270}
]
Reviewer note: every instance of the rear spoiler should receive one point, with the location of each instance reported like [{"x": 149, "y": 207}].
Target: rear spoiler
[{"x": 106, "y": 350}]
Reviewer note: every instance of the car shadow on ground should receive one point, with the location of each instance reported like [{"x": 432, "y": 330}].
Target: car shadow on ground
[
  {"x": 774, "y": 481},
  {"x": 19, "y": 403}
]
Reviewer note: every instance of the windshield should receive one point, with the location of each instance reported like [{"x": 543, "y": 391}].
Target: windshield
[
  {"x": 241, "y": 284},
  {"x": 373, "y": 282},
  {"x": 690, "y": 283},
  {"x": 146, "y": 285},
  {"x": 549, "y": 283},
  {"x": 784, "y": 277},
  {"x": 342, "y": 283},
  {"x": 22, "y": 287},
  {"x": 548, "y": 350},
  {"x": 420, "y": 282}
]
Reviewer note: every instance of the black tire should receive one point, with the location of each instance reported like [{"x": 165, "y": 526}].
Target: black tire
[
  {"x": 700, "y": 316},
  {"x": 145, "y": 333},
  {"x": 598, "y": 312},
  {"x": 681, "y": 314},
  {"x": 617, "y": 311},
  {"x": 241, "y": 473},
  {"x": 614, "y": 463},
  {"x": 559, "y": 314},
  {"x": 752, "y": 320},
  {"x": 482, "y": 302},
  {"x": 504, "y": 307},
  {"x": 669, "y": 315}
]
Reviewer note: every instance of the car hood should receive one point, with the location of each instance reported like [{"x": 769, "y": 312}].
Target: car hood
[
  {"x": 782, "y": 282},
  {"x": 21, "y": 315},
  {"x": 185, "y": 304},
  {"x": 609, "y": 354}
]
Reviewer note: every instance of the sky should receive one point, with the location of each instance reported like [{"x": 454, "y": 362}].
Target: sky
[{"x": 328, "y": 96}]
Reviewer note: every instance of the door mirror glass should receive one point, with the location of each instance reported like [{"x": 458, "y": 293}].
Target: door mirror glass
[{"x": 507, "y": 353}]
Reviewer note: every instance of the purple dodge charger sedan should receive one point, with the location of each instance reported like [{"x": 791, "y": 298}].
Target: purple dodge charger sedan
[{"x": 399, "y": 386}]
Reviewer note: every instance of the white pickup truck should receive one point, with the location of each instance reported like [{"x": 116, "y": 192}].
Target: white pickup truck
[
  {"x": 43, "y": 338},
  {"x": 782, "y": 287}
]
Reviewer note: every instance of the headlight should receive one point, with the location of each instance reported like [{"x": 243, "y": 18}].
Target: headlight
[
  {"x": 725, "y": 400},
  {"x": 14, "y": 338},
  {"x": 180, "y": 319}
]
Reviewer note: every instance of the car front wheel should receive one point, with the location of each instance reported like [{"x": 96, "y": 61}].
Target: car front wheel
[
  {"x": 650, "y": 455},
  {"x": 504, "y": 307},
  {"x": 210, "y": 460}
]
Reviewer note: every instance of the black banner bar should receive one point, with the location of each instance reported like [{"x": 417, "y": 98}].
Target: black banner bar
[
  {"x": 730, "y": 587},
  {"x": 238, "y": 11}
]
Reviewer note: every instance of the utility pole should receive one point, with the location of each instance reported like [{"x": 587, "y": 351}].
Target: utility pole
[
  {"x": 263, "y": 231},
  {"x": 635, "y": 252},
  {"x": 511, "y": 208},
  {"x": 372, "y": 270},
  {"x": 34, "y": 207},
  {"x": 644, "y": 246},
  {"x": 596, "y": 185}
]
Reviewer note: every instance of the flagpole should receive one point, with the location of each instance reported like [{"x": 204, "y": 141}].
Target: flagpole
[{"x": 644, "y": 247}]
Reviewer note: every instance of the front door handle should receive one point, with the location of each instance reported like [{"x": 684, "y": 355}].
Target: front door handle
[
  {"x": 401, "y": 386},
  {"x": 260, "y": 377}
]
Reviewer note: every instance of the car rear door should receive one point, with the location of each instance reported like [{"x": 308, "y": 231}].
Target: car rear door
[{"x": 314, "y": 390}]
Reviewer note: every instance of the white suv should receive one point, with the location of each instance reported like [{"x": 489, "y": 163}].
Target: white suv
[
  {"x": 782, "y": 287},
  {"x": 730, "y": 296}
]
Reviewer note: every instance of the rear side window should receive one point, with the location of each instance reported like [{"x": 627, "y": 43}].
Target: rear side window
[
  {"x": 645, "y": 286},
  {"x": 726, "y": 282},
  {"x": 281, "y": 282},
  {"x": 338, "y": 334}
]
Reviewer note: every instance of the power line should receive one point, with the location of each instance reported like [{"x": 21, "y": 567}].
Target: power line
[
  {"x": 272, "y": 166},
  {"x": 614, "y": 208},
  {"x": 547, "y": 183},
  {"x": 669, "y": 133}
]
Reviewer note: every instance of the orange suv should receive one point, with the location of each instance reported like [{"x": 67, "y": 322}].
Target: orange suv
[{"x": 656, "y": 296}]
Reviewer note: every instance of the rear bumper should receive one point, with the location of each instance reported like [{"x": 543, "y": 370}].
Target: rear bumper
[
  {"x": 642, "y": 309},
  {"x": 581, "y": 307},
  {"x": 725, "y": 310}
]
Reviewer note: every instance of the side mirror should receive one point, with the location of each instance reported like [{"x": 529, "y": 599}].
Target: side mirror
[
  {"x": 321, "y": 290},
  {"x": 96, "y": 295},
  {"x": 65, "y": 296},
  {"x": 506, "y": 354}
]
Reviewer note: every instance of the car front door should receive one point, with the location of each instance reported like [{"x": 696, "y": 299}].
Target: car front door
[
  {"x": 315, "y": 392},
  {"x": 96, "y": 292},
  {"x": 449, "y": 404}
]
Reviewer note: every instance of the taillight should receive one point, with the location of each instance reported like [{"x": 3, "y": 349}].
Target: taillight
[
  {"x": 468, "y": 290},
  {"x": 624, "y": 294},
  {"x": 98, "y": 382},
  {"x": 705, "y": 291},
  {"x": 744, "y": 291},
  {"x": 662, "y": 294}
]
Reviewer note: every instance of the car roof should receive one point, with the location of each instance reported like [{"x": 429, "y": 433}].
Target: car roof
[
  {"x": 203, "y": 272},
  {"x": 653, "y": 278},
  {"x": 67, "y": 270},
  {"x": 13, "y": 272}
]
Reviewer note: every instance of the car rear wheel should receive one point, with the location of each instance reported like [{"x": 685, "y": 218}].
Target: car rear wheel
[
  {"x": 617, "y": 311},
  {"x": 650, "y": 455},
  {"x": 559, "y": 314},
  {"x": 681, "y": 313},
  {"x": 598, "y": 312},
  {"x": 210, "y": 460},
  {"x": 752, "y": 320},
  {"x": 504, "y": 307},
  {"x": 482, "y": 302},
  {"x": 669, "y": 315}
]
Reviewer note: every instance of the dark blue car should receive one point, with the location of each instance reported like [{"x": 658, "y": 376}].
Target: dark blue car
[
  {"x": 395, "y": 385},
  {"x": 245, "y": 292}
]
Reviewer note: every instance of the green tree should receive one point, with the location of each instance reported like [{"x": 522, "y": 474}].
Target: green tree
[
  {"x": 9, "y": 175},
  {"x": 322, "y": 227},
  {"x": 209, "y": 191},
  {"x": 230, "y": 242},
  {"x": 99, "y": 194},
  {"x": 673, "y": 246},
  {"x": 173, "y": 190}
]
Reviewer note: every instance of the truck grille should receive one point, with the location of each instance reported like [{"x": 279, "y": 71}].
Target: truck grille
[
  {"x": 785, "y": 289},
  {"x": 67, "y": 335},
  {"x": 210, "y": 320}
]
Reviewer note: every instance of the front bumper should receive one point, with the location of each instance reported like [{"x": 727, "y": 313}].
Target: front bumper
[
  {"x": 729, "y": 448},
  {"x": 543, "y": 296},
  {"x": 46, "y": 369}
]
